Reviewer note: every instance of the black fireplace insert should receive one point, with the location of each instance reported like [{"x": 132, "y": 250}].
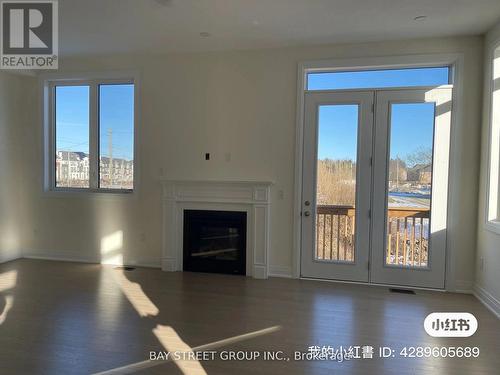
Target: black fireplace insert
[{"x": 215, "y": 241}]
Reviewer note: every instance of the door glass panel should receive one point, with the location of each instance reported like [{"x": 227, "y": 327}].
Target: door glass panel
[
  {"x": 336, "y": 182},
  {"x": 409, "y": 185}
]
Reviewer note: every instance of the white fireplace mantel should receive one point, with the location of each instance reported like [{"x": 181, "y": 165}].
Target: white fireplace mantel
[{"x": 252, "y": 197}]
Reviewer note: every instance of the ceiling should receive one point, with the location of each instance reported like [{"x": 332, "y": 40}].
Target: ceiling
[{"x": 160, "y": 26}]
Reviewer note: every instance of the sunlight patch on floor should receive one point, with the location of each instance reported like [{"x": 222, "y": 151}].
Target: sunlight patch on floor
[
  {"x": 9, "y": 301},
  {"x": 168, "y": 336},
  {"x": 173, "y": 343},
  {"x": 134, "y": 293},
  {"x": 8, "y": 280}
]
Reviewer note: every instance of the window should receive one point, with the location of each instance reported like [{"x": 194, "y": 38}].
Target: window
[
  {"x": 116, "y": 136},
  {"x": 72, "y": 136},
  {"x": 493, "y": 210},
  {"x": 384, "y": 78},
  {"x": 91, "y": 135}
]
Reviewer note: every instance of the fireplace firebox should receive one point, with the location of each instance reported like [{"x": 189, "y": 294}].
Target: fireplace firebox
[{"x": 215, "y": 241}]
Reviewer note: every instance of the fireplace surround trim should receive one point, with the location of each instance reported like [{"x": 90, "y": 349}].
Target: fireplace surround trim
[{"x": 252, "y": 197}]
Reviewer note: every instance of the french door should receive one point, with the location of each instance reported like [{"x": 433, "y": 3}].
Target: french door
[
  {"x": 336, "y": 187},
  {"x": 374, "y": 188}
]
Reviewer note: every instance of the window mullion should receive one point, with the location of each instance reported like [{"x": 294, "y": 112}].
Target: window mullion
[
  {"x": 51, "y": 137},
  {"x": 94, "y": 136}
]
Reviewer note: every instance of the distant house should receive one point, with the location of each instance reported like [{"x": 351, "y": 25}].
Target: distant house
[
  {"x": 73, "y": 168},
  {"x": 420, "y": 173}
]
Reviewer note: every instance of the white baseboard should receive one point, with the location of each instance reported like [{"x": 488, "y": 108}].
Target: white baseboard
[
  {"x": 463, "y": 286},
  {"x": 169, "y": 265},
  {"x": 10, "y": 256},
  {"x": 280, "y": 271},
  {"x": 63, "y": 257},
  {"x": 71, "y": 257},
  {"x": 144, "y": 264},
  {"x": 260, "y": 271},
  {"x": 488, "y": 300}
]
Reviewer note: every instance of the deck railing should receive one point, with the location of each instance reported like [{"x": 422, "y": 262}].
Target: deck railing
[{"x": 406, "y": 242}]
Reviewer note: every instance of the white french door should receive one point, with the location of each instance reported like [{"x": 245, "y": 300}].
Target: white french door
[
  {"x": 337, "y": 185},
  {"x": 375, "y": 183},
  {"x": 409, "y": 212}
]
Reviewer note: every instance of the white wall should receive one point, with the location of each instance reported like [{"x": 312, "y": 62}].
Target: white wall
[
  {"x": 242, "y": 102},
  {"x": 15, "y": 98},
  {"x": 488, "y": 247}
]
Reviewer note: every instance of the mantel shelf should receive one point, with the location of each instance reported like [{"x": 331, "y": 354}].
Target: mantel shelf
[{"x": 166, "y": 180}]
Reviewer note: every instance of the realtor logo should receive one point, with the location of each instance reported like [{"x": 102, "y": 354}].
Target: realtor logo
[{"x": 29, "y": 35}]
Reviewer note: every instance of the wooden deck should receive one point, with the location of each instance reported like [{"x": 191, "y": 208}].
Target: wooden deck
[{"x": 407, "y": 237}]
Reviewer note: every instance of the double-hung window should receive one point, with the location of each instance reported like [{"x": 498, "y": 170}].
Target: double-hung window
[{"x": 90, "y": 134}]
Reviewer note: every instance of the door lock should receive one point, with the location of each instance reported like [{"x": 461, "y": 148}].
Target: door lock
[{"x": 307, "y": 203}]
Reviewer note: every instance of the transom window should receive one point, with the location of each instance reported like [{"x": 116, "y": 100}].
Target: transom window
[
  {"x": 91, "y": 133},
  {"x": 383, "y": 78}
]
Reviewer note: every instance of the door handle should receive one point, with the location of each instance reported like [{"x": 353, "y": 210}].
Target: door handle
[
  {"x": 307, "y": 213},
  {"x": 307, "y": 203}
]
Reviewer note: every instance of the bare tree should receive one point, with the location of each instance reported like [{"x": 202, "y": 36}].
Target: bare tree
[
  {"x": 397, "y": 170},
  {"x": 336, "y": 182},
  {"x": 421, "y": 156}
]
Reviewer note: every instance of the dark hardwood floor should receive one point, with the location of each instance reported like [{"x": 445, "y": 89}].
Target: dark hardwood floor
[{"x": 70, "y": 318}]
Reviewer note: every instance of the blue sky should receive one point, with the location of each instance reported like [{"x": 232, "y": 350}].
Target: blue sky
[
  {"x": 378, "y": 78},
  {"x": 411, "y": 124},
  {"x": 116, "y": 113},
  {"x": 72, "y": 118},
  {"x": 411, "y": 130},
  {"x": 338, "y": 129}
]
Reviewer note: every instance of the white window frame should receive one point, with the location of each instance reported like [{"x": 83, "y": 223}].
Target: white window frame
[
  {"x": 492, "y": 212},
  {"x": 454, "y": 60},
  {"x": 48, "y": 83}
]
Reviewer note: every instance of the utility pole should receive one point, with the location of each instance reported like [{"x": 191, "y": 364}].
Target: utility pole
[
  {"x": 122, "y": 173},
  {"x": 397, "y": 172},
  {"x": 68, "y": 169},
  {"x": 110, "y": 152}
]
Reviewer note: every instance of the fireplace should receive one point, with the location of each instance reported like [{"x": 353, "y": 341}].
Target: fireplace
[
  {"x": 215, "y": 241},
  {"x": 250, "y": 197}
]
